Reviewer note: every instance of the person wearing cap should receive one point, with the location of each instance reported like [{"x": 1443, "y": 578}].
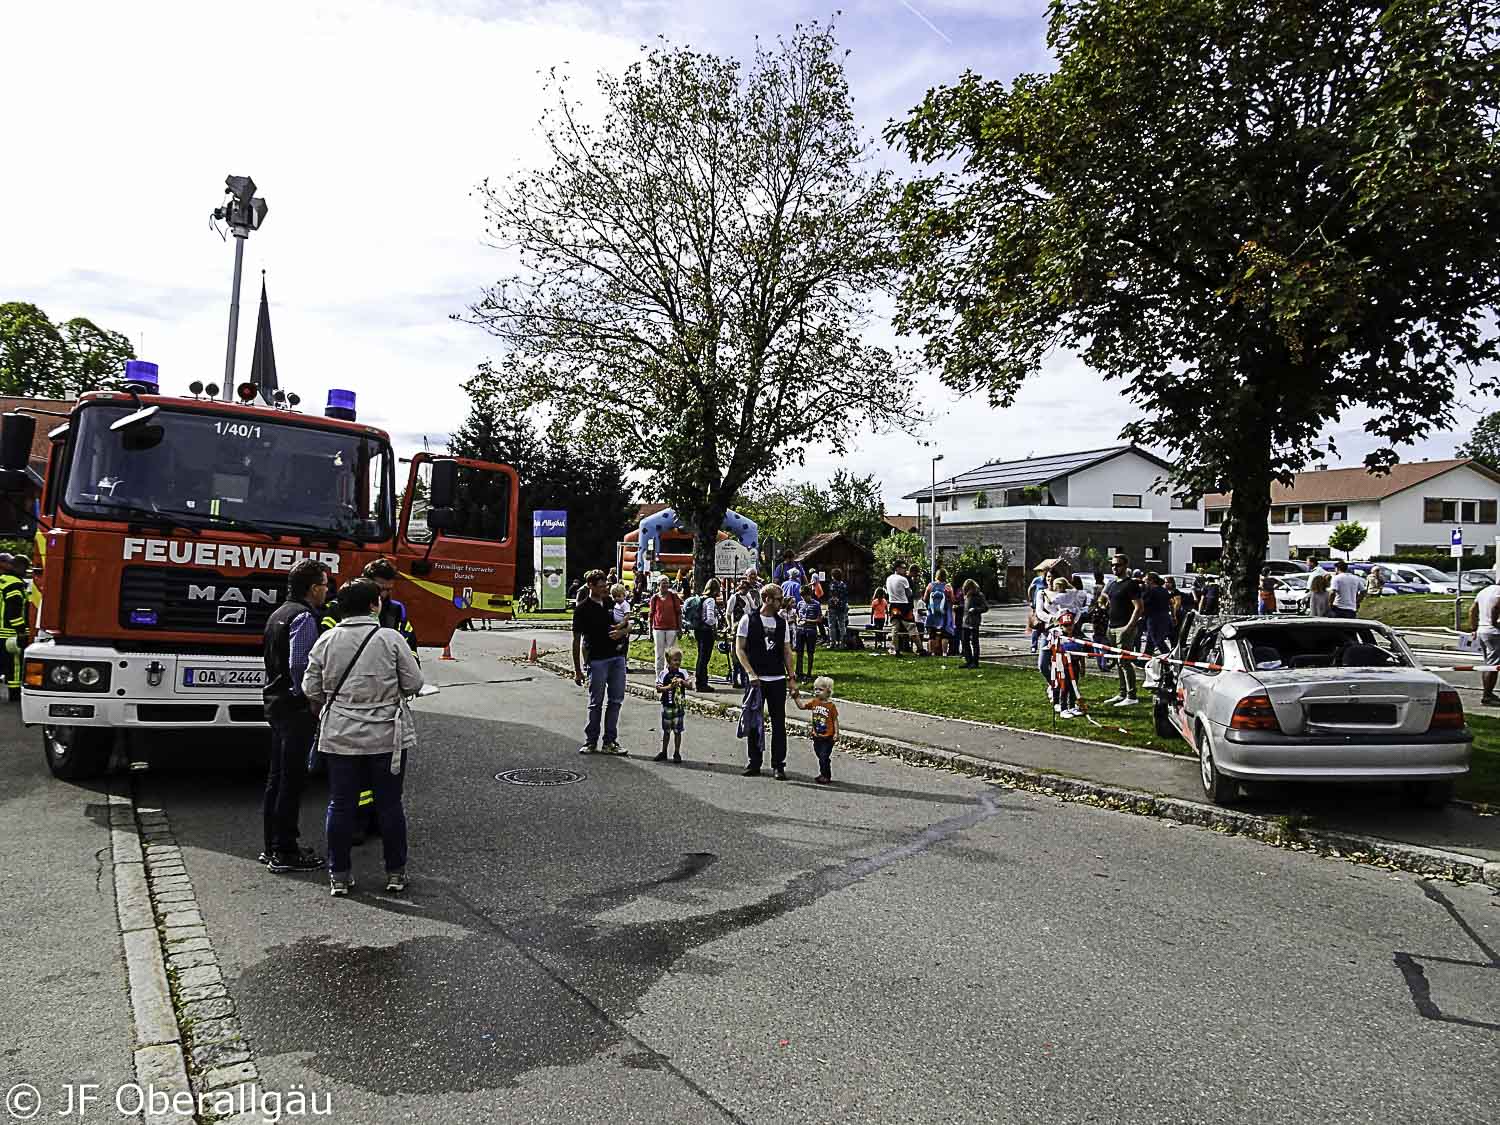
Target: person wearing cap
[{"x": 13, "y": 619}]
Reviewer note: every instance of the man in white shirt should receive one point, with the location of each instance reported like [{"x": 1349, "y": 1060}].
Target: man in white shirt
[
  {"x": 1346, "y": 589},
  {"x": 1487, "y": 605},
  {"x": 898, "y": 588}
]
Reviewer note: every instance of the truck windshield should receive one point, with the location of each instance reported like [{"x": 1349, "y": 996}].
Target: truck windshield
[{"x": 204, "y": 469}]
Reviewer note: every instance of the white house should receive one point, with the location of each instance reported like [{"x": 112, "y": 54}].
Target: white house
[
  {"x": 1417, "y": 504},
  {"x": 1112, "y": 498}
]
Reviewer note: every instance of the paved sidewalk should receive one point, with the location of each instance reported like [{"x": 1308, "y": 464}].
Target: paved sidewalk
[{"x": 1363, "y": 810}]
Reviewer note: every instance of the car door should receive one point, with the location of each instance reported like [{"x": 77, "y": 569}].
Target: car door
[{"x": 1195, "y": 686}]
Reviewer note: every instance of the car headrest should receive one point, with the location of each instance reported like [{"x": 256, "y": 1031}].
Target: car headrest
[
  {"x": 1266, "y": 657},
  {"x": 1363, "y": 656}
]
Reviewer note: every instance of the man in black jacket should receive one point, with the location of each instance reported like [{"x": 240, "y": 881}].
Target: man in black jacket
[{"x": 290, "y": 634}]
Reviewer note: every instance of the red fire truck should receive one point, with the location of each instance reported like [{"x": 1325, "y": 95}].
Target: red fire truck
[{"x": 166, "y": 526}]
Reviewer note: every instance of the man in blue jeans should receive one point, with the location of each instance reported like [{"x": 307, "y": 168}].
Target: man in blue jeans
[{"x": 603, "y": 643}]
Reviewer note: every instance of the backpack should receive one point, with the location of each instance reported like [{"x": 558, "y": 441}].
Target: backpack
[
  {"x": 692, "y": 612},
  {"x": 937, "y": 602}
]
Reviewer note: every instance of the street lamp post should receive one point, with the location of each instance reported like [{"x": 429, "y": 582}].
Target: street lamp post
[
  {"x": 932, "y": 519},
  {"x": 243, "y": 211}
]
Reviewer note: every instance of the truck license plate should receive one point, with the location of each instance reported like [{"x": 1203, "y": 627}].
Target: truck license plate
[{"x": 223, "y": 677}]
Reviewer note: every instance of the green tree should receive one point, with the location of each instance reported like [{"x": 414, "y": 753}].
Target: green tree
[
  {"x": 984, "y": 565},
  {"x": 1257, "y": 216},
  {"x": 792, "y": 514},
  {"x": 1484, "y": 443},
  {"x": 696, "y": 269},
  {"x": 906, "y": 545},
  {"x": 94, "y": 357},
  {"x": 556, "y": 471},
  {"x": 37, "y": 357},
  {"x": 1347, "y": 536}
]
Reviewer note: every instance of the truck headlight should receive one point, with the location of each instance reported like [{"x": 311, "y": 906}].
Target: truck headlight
[{"x": 61, "y": 675}]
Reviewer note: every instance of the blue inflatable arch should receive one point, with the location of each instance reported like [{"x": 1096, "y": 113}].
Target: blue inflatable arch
[{"x": 651, "y": 529}]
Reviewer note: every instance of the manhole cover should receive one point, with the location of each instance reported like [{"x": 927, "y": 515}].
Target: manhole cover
[{"x": 539, "y": 776}]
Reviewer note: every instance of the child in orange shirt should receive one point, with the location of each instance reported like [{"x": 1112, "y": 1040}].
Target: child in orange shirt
[
  {"x": 825, "y": 724},
  {"x": 878, "y": 606}
]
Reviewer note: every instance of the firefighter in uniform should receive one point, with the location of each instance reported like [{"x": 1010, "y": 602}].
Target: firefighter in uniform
[
  {"x": 13, "y": 570},
  {"x": 392, "y": 616}
]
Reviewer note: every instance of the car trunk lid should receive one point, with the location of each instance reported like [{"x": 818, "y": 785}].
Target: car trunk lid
[{"x": 1351, "y": 700}]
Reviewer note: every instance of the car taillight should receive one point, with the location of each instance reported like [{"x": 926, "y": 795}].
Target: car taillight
[
  {"x": 1254, "y": 712},
  {"x": 1449, "y": 712}
]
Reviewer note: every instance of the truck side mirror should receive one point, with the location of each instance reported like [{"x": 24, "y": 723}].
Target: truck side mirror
[
  {"x": 442, "y": 519},
  {"x": 444, "y": 483},
  {"x": 16, "y": 432}
]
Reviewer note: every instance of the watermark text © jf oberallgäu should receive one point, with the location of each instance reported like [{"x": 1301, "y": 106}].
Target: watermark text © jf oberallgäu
[{"x": 24, "y": 1102}]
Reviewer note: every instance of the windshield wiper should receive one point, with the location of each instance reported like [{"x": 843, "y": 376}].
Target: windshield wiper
[
  {"x": 315, "y": 531},
  {"x": 237, "y": 524},
  {"x": 168, "y": 520}
]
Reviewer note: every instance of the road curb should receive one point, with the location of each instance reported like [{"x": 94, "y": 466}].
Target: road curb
[
  {"x": 1279, "y": 831},
  {"x": 188, "y": 1037}
]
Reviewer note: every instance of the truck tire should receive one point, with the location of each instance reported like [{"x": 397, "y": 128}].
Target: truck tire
[{"x": 77, "y": 753}]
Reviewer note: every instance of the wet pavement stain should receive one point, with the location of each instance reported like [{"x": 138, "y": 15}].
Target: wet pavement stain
[{"x": 441, "y": 1014}]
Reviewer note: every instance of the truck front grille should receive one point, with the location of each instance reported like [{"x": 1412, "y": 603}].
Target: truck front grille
[{"x": 179, "y": 599}]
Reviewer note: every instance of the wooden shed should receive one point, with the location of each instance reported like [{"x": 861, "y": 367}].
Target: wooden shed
[{"x": 832, "y": 550}]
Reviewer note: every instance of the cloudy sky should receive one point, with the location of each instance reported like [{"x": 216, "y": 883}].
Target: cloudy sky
[{"x": 367, "y": 126}]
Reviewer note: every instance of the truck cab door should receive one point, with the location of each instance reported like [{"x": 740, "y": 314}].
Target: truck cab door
[{"x": 457, "y": 543}]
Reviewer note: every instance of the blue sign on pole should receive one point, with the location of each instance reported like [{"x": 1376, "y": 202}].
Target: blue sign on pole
[
  {"x": 1457, "y": 539},
  {"x": 549, "y": 556},
  {"x": 551, "y": 524}
]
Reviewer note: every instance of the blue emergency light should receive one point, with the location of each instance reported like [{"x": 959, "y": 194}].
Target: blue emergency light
[
  {"x": 340, "y": 405},
  {"x": 141, "y": 376}
]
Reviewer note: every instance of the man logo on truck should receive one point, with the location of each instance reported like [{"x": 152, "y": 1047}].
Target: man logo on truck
[{"x": 231, "y": 594}]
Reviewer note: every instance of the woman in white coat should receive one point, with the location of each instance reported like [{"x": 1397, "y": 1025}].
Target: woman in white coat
[{"x": 358, "y": 678}]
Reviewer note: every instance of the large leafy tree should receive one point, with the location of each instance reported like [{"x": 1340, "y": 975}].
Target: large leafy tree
[
  {"x": 38, "y": 357},
  {"x": 1256, "y": 215},
  {"x": 791, "y": 514},
  {"x": 1484, "y": 442},
  {"x": 556, "y": 472},
  {"x": 695, "y": 271}
]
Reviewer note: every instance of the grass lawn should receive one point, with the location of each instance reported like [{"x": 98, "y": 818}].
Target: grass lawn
[
  {"x": 1411, "y": 610},
  {"x": 1014, "y": 696}
]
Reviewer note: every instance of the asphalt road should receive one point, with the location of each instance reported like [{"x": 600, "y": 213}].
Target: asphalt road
[
  {"x": 680, "y": 943},
  {"x": 64, "y": 1008}
]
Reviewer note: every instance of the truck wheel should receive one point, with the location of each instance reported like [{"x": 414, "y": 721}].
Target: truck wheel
[
  {"x": 77, "y": 753},
  {"x": 1428, "y": 794},
  {"x": 1217, "y": 788}
]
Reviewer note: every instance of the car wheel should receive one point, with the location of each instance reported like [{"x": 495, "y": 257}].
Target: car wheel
[
  {"x": 1161, "y": 713},
  {"x": 77, "y": 753},
  {"x": 1217, "y": 788},
  {"x": 1428, "y": 794}
]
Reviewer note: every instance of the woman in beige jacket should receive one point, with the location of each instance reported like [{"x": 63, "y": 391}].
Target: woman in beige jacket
[{"x": 358, "y": 679}]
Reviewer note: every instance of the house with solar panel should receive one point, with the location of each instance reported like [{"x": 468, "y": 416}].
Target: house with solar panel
[{"x": 1081, "y": 507}]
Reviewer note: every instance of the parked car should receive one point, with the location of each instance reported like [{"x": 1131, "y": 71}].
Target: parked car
[
  {"x": 1436, "y": 581},
  {"x": 1311, "y": 699},
  {"x": 1392, "y": 584},
  {"x": 1291, "y": 592},
  {"x": 1284, "y": 566},
  {"x": 1477, "y": 580}
]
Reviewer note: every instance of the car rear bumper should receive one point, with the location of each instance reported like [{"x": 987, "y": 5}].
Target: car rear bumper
[{"x": 1268, "y": 756}]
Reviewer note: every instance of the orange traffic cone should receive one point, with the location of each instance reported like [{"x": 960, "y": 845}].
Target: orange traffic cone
[
  {"x": 447, "y": 652},
  {"x": 532, "y": 657}
]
